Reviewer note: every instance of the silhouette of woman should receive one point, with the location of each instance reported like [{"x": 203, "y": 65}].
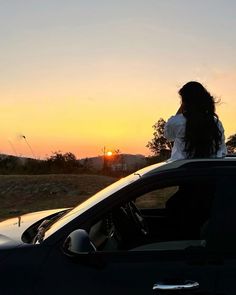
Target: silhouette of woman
[{"x": 196, "y": 129}]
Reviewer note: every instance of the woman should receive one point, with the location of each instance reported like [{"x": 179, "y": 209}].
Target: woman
[{"x": 195, "y": 129}]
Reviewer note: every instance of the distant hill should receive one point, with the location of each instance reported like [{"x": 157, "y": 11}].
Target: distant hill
[
  {"x": 4, "y": 156},
  {"x": 126, "y": 162}
]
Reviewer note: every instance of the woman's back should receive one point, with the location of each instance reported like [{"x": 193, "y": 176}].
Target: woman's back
[
  {"x": 195, "y": 129},
  {"x": 175, "y": 131}
]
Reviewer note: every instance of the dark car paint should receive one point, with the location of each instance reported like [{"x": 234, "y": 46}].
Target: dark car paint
[{"x": 46, "y": 269}]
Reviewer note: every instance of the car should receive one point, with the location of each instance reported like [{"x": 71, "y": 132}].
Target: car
[{"x": 169, "y": 228}]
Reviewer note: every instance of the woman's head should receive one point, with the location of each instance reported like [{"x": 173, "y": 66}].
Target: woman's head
[
  {"x": 202, "y": 134},
  {"x": 196, "y": 99}
]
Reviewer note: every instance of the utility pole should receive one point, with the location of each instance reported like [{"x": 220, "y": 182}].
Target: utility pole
[
  {"x": 104, "y": 168},
  {"x": 29, "y": 146}
]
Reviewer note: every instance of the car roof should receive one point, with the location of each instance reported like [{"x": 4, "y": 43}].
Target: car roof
[{"x": 197, "y": 163}]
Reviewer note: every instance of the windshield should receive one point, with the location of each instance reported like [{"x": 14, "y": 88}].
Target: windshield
[{"x": 95, "y": 199}]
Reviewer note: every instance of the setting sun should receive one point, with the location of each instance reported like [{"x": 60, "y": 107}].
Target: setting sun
[{"x": 109, "y": 154}]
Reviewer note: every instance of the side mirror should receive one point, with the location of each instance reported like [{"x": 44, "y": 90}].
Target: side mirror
[{"x": 78, "y": 242}]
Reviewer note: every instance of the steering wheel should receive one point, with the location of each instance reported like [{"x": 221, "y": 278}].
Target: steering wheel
[
  {"x": 129, "y": 221},
  {"x": 138, "y": 218}
]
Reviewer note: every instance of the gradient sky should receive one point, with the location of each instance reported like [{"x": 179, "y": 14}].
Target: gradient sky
[{"x": 79, "y": 75}]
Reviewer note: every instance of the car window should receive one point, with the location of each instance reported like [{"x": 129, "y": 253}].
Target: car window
[
  {"x": 172, "y": 217},
  {"x": 156, "y": 199}
]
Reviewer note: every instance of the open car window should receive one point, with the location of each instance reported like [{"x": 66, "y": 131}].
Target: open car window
[
  {"x": 156, "y": 199},
  {"x": 172, "y": 217}
]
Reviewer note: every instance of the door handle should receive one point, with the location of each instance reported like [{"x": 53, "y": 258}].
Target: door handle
[{"x": 185, "y": 285}]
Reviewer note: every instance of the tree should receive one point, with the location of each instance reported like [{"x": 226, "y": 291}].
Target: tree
[
  {"x": 159, "y": 144},
  {"x": 231, "y": 144},
  {"x": 66, "y": 163}
]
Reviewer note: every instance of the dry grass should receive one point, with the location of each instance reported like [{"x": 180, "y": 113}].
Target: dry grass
[{"x": 27, "y": 193}]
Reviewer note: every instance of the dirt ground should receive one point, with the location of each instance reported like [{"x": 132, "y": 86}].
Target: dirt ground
[{"x": 27, "y": 193}]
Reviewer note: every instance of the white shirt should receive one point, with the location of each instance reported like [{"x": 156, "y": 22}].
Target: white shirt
[{"x": 175, "y": 131}]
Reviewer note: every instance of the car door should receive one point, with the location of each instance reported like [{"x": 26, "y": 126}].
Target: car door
[
  {"x": 140, "y": 271},
  {"x": 175, "y": 266}
]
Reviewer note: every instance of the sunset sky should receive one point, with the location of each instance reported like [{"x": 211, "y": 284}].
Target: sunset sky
[{"x": 79, "y": 75}]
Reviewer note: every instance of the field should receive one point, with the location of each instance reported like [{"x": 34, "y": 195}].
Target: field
[{"x": 20, "y": 194}]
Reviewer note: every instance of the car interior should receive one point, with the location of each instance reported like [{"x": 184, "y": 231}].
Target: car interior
[{"x": 169, "y": 217}]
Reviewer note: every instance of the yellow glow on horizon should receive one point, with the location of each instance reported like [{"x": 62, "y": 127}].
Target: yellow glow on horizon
[
  {"x": 76, "y": 120},
  {"x": 109, "y": 154}
]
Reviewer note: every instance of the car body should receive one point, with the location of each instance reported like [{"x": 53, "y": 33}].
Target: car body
[{"x": 170, "y": 227}]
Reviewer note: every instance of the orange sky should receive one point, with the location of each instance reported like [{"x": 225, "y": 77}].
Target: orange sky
[{"x": 76, "y": 78}]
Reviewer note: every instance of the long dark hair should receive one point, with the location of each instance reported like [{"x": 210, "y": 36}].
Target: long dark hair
[{"x": 202, "y": 134}]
